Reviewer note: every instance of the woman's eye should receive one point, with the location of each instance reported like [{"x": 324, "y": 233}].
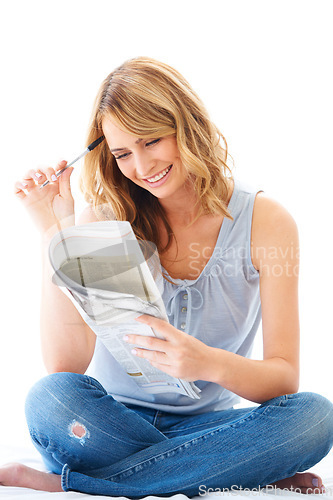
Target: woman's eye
[
  {"x": 155, "y": 141},
  {"x": 126, "y": 155},
  {"x": 120, "y": 157}
]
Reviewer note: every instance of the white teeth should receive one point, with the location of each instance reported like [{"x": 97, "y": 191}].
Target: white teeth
[{"x": 159, "y": 176}]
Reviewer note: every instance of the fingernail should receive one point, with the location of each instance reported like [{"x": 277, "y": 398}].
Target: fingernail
[
  {"x": 24, "y": 184},
  {"x": 315, "y": 482},
  {"x": 38, "y": 175},
  {"x": 134, "y": 351},
  {"x": 125, "y": 338},
  {"x": 54, "y": 177}
]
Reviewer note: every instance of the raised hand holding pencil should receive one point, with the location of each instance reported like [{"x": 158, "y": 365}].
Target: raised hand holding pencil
[
  {"x": 86, "y": 151},
  {"x": 51, "y": 208}
]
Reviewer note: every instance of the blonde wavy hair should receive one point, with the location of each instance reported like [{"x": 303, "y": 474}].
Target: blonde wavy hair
[{"x": 150, "y": 99}]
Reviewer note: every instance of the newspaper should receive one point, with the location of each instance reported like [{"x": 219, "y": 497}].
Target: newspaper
[{"x": 112, "y": 278}]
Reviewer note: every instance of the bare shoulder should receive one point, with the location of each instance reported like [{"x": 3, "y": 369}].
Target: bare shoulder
[
  {"x": 273, "y": 229},
  {"x": 270, "y": 214},
  {"x": 90, "y": 214}
]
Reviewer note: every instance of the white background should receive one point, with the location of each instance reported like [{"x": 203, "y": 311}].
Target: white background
[{"x": 263, "y": 69}]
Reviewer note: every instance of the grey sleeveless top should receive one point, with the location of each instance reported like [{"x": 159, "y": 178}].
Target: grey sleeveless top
[{"x": 221, "y": 308}]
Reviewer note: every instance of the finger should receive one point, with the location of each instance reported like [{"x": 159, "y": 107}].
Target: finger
[
  {"x": 147, "y": 342},
  {"x": 159, "y": 325},
  {"x": 48, "y": 174},
  {"x": 64, "y": 182},
  {"x": 34, "y": 176},
  {"x": 29, "y": 175},
  {"x": 151, "y": 320},
  {"x": 169, "y": 369},
  {"x": 39, "y": 177},
  {"x": 31, "y": 179},
  {"x": 152, "y": 356},
  {"x": 19, "y": 188},
  {"x": 60, "y": 165}
]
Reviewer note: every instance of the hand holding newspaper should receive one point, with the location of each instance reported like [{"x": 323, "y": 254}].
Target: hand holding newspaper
[{"x": 108, "y": 276}]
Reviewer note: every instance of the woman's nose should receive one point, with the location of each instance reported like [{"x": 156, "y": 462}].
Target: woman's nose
[{"x": 144, "y": 165}]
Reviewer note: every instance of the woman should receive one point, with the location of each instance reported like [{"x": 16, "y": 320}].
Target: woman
[{"x": 229, "y": 256}]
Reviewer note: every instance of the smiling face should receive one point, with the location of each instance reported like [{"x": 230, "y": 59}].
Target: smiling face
[{"x": 153, "y": 164}]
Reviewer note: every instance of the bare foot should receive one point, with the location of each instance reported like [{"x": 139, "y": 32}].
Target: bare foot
[
  {"x": 305, "y": 482},
  {"x": 25, "y": 477}
]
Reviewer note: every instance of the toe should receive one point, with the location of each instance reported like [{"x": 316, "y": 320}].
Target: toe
[{"x": 311, "y": 483}]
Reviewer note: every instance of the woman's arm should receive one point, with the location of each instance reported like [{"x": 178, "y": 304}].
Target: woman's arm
[
  {"x": 275, "y": 256},
  {"x": 67, "y": 341}
]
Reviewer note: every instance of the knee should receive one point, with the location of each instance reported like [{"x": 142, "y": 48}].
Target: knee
[
  {"x": 320, "y": 415},
  {"x": 314, "y": 417},
  {"x": 52, "y": 396}
]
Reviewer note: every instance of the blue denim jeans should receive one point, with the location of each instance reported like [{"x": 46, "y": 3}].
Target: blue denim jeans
[{"x": 101, "y": 446}]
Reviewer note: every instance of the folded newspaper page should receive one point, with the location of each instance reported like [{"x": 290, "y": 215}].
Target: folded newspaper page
[{"x": 112, "y": 278}]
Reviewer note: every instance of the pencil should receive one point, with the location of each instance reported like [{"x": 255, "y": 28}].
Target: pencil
[{"x": 86, "y": 151}]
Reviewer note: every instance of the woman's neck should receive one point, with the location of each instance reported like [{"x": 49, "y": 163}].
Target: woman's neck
[{"x": 182, "y": 208}]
